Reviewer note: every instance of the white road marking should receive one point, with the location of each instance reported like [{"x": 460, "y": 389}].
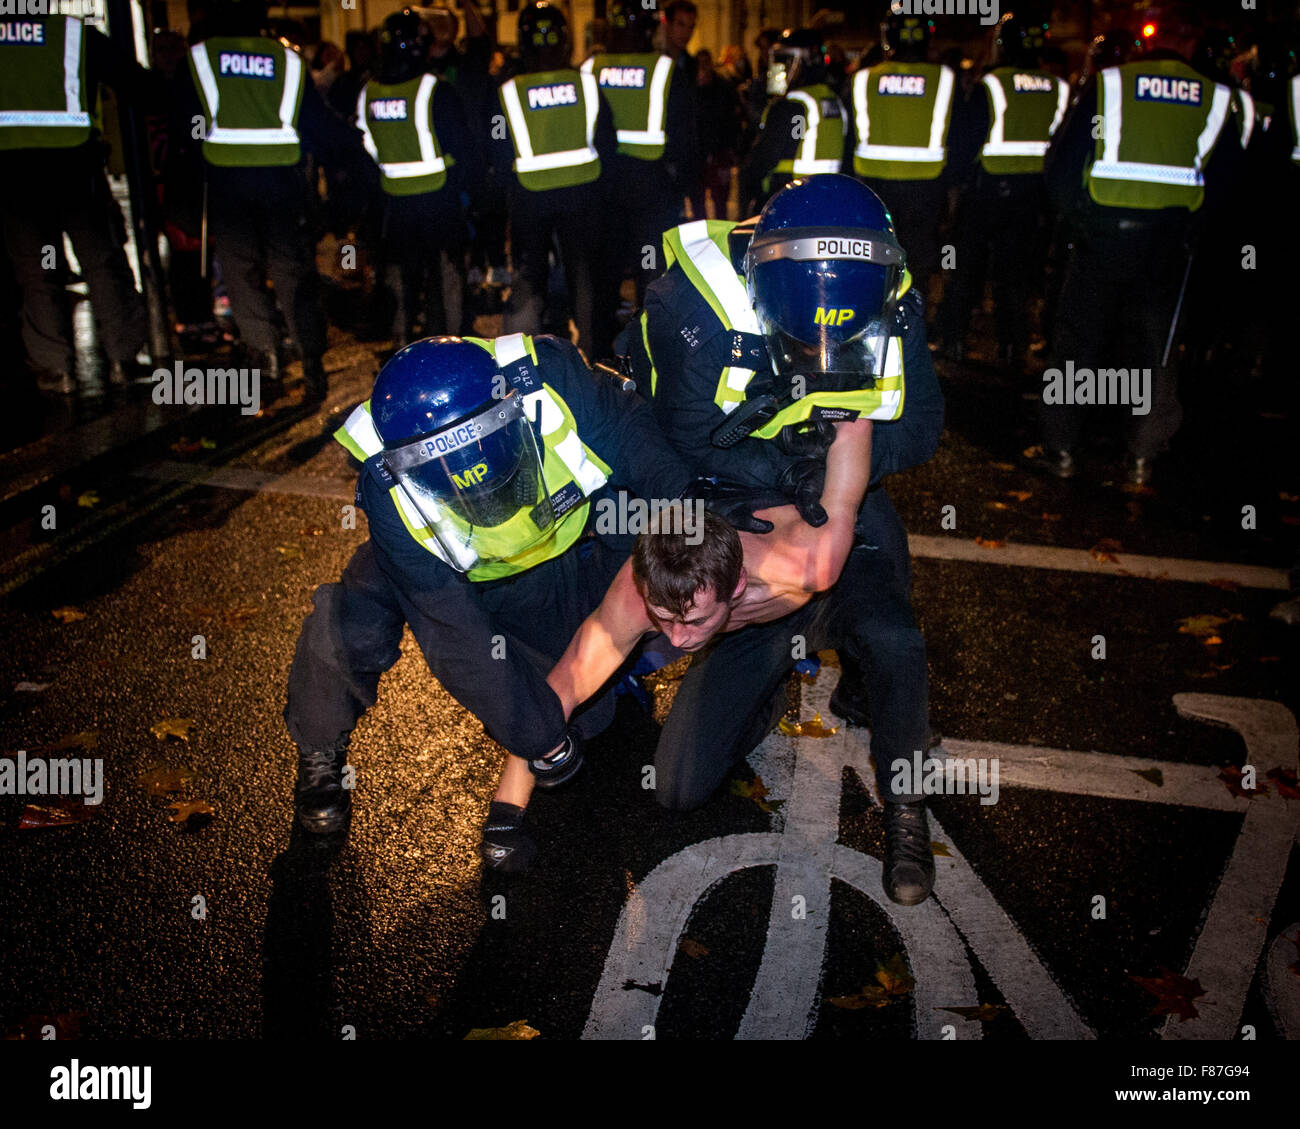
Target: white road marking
[
  {"x": 1081, "y": 560},
  {"x": 1281, "y": 985}
]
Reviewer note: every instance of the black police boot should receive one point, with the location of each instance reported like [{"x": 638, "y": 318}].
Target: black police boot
[
  {"x": 320, "y": 801},
  {"x": 909, "y": 861},
  {"x": 315, "y": 382},
  {"x": 850, "y": 698},
  {"x": 558, "y": 767},
  {"x": 505, "y": 845}
]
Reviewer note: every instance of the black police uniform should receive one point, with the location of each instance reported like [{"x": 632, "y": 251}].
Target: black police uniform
[{"x": 353, "y": 634}]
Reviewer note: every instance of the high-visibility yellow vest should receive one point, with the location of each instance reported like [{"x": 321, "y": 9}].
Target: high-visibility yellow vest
[
  {"x": 1025, "y": 110},
  {"x": 1160, "y": 121},
  {"x": 700, "y": 247},
  {"x": 902, "y": 111},
  {"x": 552, "y": 120},
  {"x": 251, "y": 89},
  {"x": 44, "y": 103},
  {"x": 822, "y": 148},
  {"x": 1249, "y": 114},
  {"x": 636, "y": 87},
  {"x": 572, "y": 470},
  {"x": 396, "y": 123}
]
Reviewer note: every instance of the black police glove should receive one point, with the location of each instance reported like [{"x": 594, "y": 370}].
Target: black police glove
[
  {"x": 558, "y": 767},
  {"x": 505, "y": 845},
  {"x": 803, "y": 481},
  {"x": 736, "y": 503},
  {"x": 810, "y": 439}
]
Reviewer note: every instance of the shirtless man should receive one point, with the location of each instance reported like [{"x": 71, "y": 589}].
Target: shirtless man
[{"x": 782, "y": 588}]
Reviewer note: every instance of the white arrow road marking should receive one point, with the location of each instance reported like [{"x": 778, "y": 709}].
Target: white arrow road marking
[{"x": 1236, "y": 928}]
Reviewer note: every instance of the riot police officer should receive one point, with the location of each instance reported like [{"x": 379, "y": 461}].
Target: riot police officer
[
  {"x": 560, "y": 139},
  {"x": 1001, "y": 220},
  {"x": 259, "y": 112},
  {"x": 52, "y": 181},
  {"x": 481, "y": 461},
  {"x": 804, "y": 132},
  {"x": 902, "y": 111},
  {"x": 1134, "y": 195},
  {"x": 413, "y": 126},
  {"x": 754, "y": 343}
]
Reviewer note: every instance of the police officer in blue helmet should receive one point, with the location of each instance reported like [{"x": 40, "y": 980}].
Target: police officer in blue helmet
[
  {"x": 480, "y": 463},
  {"x": 758, "y": 341}
]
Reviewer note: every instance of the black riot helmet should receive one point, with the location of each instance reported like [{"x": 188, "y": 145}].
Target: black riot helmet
[
  {"x": 631, "y": 26},
  {"x": 1214, "y": 53},
  {"x": 906, "y": 38},
  {"x": 1020, "y": 40},
  {"x": 1271, "y": 71},
  {"x": 1111, "y": 49},
  {"x": 543, "y": 37},
  {"x": 403, "y": 45},
  {"x": 797, "y": 59},
  {"x": 237, "y": 17}
]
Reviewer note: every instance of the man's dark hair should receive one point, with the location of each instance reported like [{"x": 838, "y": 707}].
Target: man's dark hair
[
  {"x": 670, "y": 12},
  {"x": 669, "y": 572}
]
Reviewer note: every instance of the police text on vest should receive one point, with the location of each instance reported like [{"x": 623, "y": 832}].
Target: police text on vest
[
  {"x": 1162, "y": 88},
  {"x": 911, "y": 85},
  {"x": 25, "y": 33},
  {"x": 544, "y": 97},
  {"x": 388, "y": 109},
  {"x": 622, "y": 76},
  {"x": 1032, "y": 84},
  {"x": 1102, "y": 387},
  {"x": 245, "y": 65}
]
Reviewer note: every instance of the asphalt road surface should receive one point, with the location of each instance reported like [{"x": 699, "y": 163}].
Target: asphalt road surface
[{"x": 1124, "y": 858}]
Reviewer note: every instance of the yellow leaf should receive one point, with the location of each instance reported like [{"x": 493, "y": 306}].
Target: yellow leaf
[
  {"x": 161, "y": 780},
  {"x": 208, "y": 444},
  {"x": 985, "y": 544},
  {"x": 289, "y": 552},
  {"x": 183, "y": 809},
  {"x": 1003, "y": 466},
  {"x": 813, "y": 728},
  {"x": 1032, "y": 452},
  {"x": 1205, "y": 627},
  {"x": 940, "y": 849},
  {"x": 88, "y": 500},
  {"x": 997, "y": 505},
  {"x": 178, "y": 727},
  {"x": 67, "y": 614},
  {"x": 519, "y": 1029}
]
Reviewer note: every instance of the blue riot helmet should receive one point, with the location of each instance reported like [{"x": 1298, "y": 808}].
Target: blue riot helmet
[
  {"x": 461, "y": 449},
  {"x": 824, "y": 270}
]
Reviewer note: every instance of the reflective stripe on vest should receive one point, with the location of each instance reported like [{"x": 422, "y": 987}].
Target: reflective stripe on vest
[
  {"x": 1295, "y": 117},
  {"x": 26, "y": 123},
  {"x": 431, "y": 163},
  {"x": 1111, "y": 167},
  {"x": 652, "y": 133},
  {"x": 527, "y": 161},
  {"x": 1247, "y": 116},
  {"x": 806, "y": 162},
  {"x": 700, "y": 248},
  {"x": 883, "y": 402},
  {"x": 559, "y": 435},
  {"x": 867, "y": 151},
  {"x": 997, "y": 148},
  {"x": 234, "y": 137}
]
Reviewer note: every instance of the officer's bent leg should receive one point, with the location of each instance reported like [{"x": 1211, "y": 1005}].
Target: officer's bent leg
[
  {"x": 350, "y": 638},
  {"x": 235, "y": 234}
]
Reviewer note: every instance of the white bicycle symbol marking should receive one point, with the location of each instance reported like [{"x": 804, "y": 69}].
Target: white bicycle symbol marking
[{"x": 963, "y": 914}]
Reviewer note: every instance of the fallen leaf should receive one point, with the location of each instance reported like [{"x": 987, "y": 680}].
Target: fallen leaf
[
  {"x": 516, "y": 1030},
  {"x": 985, "y": 544},
  {"x": 940, "y": 849},
  {"x": 1154, "y": 775},
  {"x": 31, "y": 687},
  {"x": 184, "y": 810},
  {"x": 893, "y": 982},
  {"x": 1020, "y": 495},
  {"x": 162, "y": 780},
  {"x": 86, "y": 739},
  {"x": 68, "y": 614},
  {"x": 1205, "y": 627},
  {"x": 1224, "y": 584},
  {"x": 813, "y": 728},
  {"x": 1003, "y": 466},
  {"x": 755, "y": 790},
  {"x": 208, "y": 444},
  {"x": 1049, "y": 517},
  {"x": 997, "y": 505},
  {"x": 1033, "y": 452},
  {"x": 1287, "y": 785},
  {"x": 239, "y": 616},
  {"x": 88, "y": 500},
  {"x": 1174, "y": 994},
  {"x": 1105, "y": 550},
  {"x": 311, "y": 531},
  {"x": 1137, "y": 488},
  {"x": 693, "y": 948},
  {"x": 289, "y": 552},
  {"x": 985, "y": 1013},
  {"x": 1284, "y": 496},
  {"x": 178, "y": 727},
  {"x": 56, "y": 813},
  {"x": 1232, "y": 777}
]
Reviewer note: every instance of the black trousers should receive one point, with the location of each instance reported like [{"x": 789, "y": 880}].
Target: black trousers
[
  {"x": 44, "y": 193},
  {"x": 260, "y": 230},
  {"x": 999, "y": 235},
  {"x": 571, "y": 216},
  {"x": 729, "y": 700},
  {"x": 354, "y": 634},
  {"x": 1117, "y": 301},
  {"x": 918, "y": 208},
  {"x": 423, "y": 244}
]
